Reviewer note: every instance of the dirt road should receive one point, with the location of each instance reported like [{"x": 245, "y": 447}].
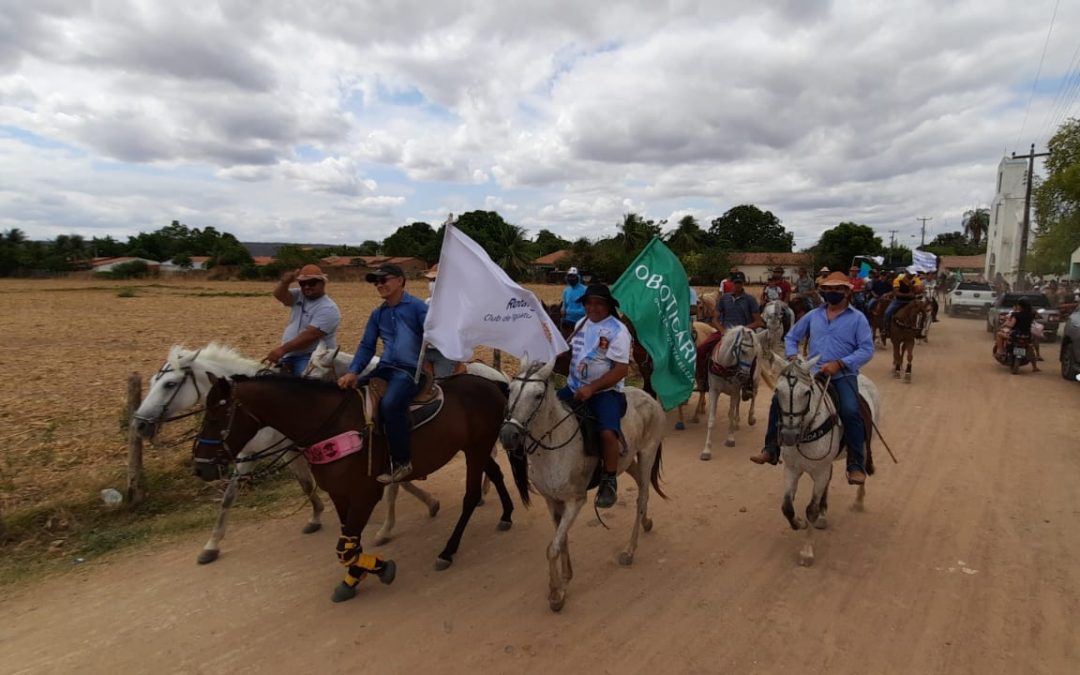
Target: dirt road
[{"x": 965, "y": 561}]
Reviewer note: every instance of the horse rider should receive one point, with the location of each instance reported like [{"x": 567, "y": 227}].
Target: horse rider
[
  {"x": 572, "y": 310},
  {"x": 906, "y": 287},
  {"x": 858, "y": 288},
  {"x": 600, "y": 360},
  {"x": 822, "y": 273},
  {"x": 399, "y": 323},
  {"x": 434, "y": 362},
  {"x": 804, "y": 287},
  {"x": 737, "y": 308},
  {"x": 728, "y": 285},
  {"x": 879, "y": 287},
  {"x": 840, "y": 336},
  {"x": 313, "y": 318},
  {"x": 776, "y": 288}
]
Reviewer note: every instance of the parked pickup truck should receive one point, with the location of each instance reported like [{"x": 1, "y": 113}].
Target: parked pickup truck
[{"x": 969, "y": 298}]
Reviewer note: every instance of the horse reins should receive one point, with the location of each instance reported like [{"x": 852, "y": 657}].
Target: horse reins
[{"x": 537, "y": 442}]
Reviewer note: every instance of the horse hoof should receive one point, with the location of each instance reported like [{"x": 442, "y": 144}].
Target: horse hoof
[
  {"x": 729, "y": 443},
  {"x": 556, "y": 601},
  {"x": 433, "y": 509},
  {"x": 751, "y": 421},
  {"x": 389, "y": 572},
  {"x": 706, "y": 456},
  {"x": 907, "y": 378},
  {"x": 208, "y": 555},
  {"x": 896, "y": 374},
  {"x": 679, "y": 426},
  {"x": 821, "y": 523},
  {"x": 311, "y": 528},
  {"x": 806, "y": 558},
  {"x": 442, "y": 564},
  {"x": 503, "y": 525},
  {"x": 625, "y": 559},
  {"x": 382, "y": 539},
  {"x": 646, "y": 523},
  {"x": 858, "y": 507},
  {"x": 343, "y": 592}
]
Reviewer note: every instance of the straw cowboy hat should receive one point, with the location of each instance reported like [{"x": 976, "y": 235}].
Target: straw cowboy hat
[
  {"x": 836, "y": 279},
  {"x": 308, "y": 272}
]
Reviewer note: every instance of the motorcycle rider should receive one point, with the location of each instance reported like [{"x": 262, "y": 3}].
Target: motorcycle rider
[{"x": 1017, "y": 324}]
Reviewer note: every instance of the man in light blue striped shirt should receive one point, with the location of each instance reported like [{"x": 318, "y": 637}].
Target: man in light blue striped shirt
[{"x": 840, "y": 335}]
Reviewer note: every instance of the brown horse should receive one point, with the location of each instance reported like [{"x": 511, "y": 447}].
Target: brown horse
[
  {"x": 876, "y": 316},
  {"x": 903, "y": 331},
  {"x": 310, "y": 411}
]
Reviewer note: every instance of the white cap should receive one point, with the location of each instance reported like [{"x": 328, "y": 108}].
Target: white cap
[{"x": 572, "y": 270}]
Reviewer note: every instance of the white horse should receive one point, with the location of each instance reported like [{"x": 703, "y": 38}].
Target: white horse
[
  {"x": 810, "y": 436},
  {"x": 545, "y": 446},
  {"x": 736, "y": 356},
  {"x": 774, "y": 316},
  {"x": 181, "y": 386}
]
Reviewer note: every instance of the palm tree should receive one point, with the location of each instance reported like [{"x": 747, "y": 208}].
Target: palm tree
[
  {"x": 687, "y": 236},
  {"x": 976, "y": 224},
  {"x": 511, "y": 249},
  {"x": 635, "y": 232}
]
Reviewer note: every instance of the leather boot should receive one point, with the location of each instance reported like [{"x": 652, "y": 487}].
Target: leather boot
[
  {"x": 767, "y": 456},
  {"x": 607, "y": 493}
]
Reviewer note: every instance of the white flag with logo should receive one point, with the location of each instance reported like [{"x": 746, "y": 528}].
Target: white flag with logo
[
  {"x": 923, "y": 261},
  {"x": 476, "y": 304}
]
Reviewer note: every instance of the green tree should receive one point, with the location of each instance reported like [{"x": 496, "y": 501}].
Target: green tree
[
  {"x": 748, "y": 228},
  {"x": 1057, "y": 203},
  {"x": 838, "y": 246},
  {"x": 954, "y": 243},
  {"x": 183, "y": 261},
  {"x": 687, "y": 237},
  {"x": 549, "y": 242},
  {"x": 976, "y": 223},
  {"x": 413, "y": 239},
  {"x": 635, "y": 232},
  {"x": 897, "y": 256},
  {"x": 292, "y": 256},
  {"x": 370, "y": 247}
]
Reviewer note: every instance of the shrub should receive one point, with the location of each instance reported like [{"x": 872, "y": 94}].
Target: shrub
[{"x": 133, "y": 269}]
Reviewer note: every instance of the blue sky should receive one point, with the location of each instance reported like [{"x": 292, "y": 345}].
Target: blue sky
[{"x": 279, "y": 121}]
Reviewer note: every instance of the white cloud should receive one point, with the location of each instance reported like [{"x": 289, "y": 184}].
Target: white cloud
[{"x": 347, "y": 120}]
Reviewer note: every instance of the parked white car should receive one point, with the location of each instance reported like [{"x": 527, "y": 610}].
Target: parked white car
[{"x": 969, "y": 297}]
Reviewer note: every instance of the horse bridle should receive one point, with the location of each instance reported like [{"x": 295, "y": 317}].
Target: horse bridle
[
  {"x": 537, "y": 442},
  {"x": 804, "y": 415},
  {"x": 189, "y": 374}
]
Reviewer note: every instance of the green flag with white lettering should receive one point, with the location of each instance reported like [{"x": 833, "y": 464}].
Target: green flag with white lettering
[{"x": 654, "y": 294}]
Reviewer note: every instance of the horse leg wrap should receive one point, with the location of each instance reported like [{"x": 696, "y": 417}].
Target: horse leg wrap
[
  {"x": 348, "y": 549},
  {"x": 369, "y": 563},
  {"x": 354, "y": 576}
]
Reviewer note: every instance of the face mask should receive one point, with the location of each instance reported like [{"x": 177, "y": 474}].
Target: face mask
[
  {"x": 833, "y": 297},
  {"x": 431, "y": 287},
  {"x": 571, "y": 281}
]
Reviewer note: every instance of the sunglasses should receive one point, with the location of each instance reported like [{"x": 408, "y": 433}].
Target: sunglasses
[
  {"x": 382, "y": 280},
  {"x": 309, "y": 283}
]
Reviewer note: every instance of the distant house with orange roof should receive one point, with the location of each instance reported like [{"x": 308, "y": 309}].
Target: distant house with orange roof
[{"x": 758, "y": 265}]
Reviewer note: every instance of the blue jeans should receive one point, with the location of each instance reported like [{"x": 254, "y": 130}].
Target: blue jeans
[
  {"x": 894, "y": 306},
  {"x": 394, "y": 411},
  {"x": 607, "y": 407},
  {"x": 295, "y": 364},
  {"x": 847, "y": 390}
]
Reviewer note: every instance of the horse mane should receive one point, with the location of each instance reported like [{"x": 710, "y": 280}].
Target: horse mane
[
  {"x": 293, "y": 382},
  {"x": 214, "y": 353}
]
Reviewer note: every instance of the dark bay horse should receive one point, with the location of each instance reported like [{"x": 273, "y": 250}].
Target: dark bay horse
[
  {"x": 903, "y": 331},
  {"x": 310, "y": 411}
]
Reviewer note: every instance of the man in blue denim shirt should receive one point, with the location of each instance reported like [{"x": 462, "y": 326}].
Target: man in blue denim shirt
[
  {"x": 841, "y": 337},
  {"x": 399, "y": 323}
]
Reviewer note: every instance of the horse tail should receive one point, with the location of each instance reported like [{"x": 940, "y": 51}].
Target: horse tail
[
  {"x": 519, "y": 468},
  {"x": 655, "y": 478}
]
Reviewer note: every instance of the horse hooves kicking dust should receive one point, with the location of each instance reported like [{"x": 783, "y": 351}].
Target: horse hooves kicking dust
[
  {"x": 442, "y": 564},
  {"x": 207, "y": 556},
  {"x": 343, "y": 592},
  {"x": 311, "y": 528},
  {"x": 503, "y": 525},
  {"x": 821, "y": 523},
  {"x": 706, "y": 456},
  {"x": 806, "y": 556}
]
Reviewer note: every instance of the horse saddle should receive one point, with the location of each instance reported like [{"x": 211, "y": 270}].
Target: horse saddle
[
  {"x": 426, "y": 404},
  {"x": 868, "y": 427}
]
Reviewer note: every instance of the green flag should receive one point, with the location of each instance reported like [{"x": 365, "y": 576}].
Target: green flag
[{"x": 654, "y": 294}]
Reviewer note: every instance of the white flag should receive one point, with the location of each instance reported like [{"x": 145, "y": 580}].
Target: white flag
[
  {"x": 923, "y": 261},
  {"x": 476, "y": 304}
]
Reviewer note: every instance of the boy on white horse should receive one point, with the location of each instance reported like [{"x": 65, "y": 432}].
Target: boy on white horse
[
  {"x": 841, "y": 337},
  {"x": 600, "y": 348}
]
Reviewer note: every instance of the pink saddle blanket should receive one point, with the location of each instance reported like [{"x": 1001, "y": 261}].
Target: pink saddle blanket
[{"x": 334, "y": 448}]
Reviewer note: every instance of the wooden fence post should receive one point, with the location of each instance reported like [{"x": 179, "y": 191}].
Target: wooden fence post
[
  {"x": 136, "y": 483},
  {"x": 496, "y": 359}
]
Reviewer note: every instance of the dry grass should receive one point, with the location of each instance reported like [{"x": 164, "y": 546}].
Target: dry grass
[{"x": 67, "y": 348}]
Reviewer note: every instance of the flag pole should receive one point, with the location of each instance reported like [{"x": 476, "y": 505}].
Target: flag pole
[{"x": 420, "y": 363}]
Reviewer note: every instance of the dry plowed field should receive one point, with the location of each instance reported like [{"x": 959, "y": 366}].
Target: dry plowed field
[{"x": 965, "y": 560}]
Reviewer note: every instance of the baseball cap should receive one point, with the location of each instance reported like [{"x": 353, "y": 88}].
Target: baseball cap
[
  {"x": 384, "y": 270},
  {"x": 572, "y": 272}
]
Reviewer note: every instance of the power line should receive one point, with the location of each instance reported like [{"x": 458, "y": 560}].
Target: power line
[{"x": 1038, "y": 72}]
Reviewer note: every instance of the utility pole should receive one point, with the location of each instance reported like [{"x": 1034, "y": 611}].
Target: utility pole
[
  {"x": 1021, "y": 279},
  {"x": 892, "y": 238},
  {"x": 923, "y": 240}
]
